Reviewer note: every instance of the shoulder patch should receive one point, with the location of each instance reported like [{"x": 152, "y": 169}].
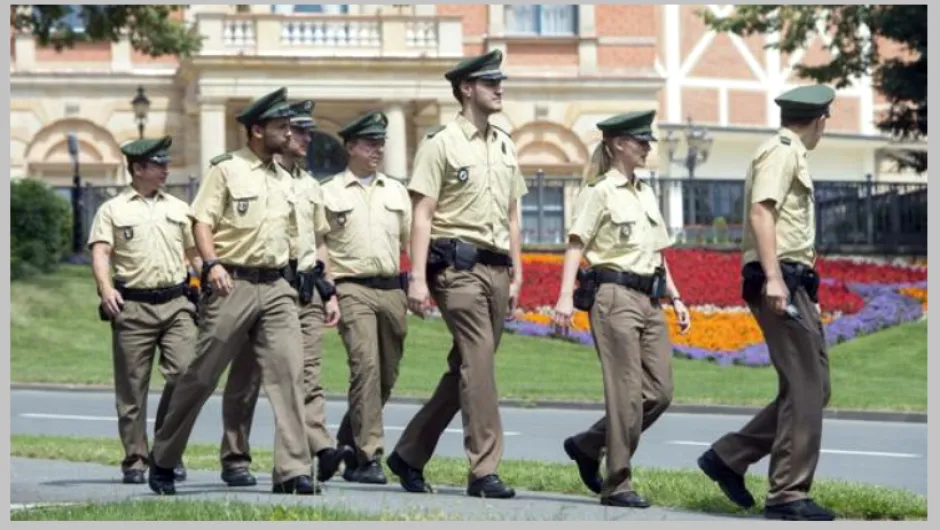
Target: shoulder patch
[
  {"x": 434, "y": 130},
  {"x": 219, "y": 159},
  {"x": 595, "y": 181},
  {"x": 785, "y": 141}
]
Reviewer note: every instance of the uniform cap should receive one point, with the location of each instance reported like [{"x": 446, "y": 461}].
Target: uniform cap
[
  {"x": 486, "y": 66},
  {"x": 151, "y": 150},
  {"x": 637, "y": 124},
  {"x": 809, "y": 101},
  {"x": 301, "y": 114},
  {"x": 370, "y": 125},
  {"x": 267, "y": 107}
]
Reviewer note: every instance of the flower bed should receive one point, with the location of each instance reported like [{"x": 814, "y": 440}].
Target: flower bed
[{"x": 856, "y": 298}]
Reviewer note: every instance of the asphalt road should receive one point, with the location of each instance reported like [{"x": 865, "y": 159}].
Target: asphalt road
[{"x": 889, "y": 454}]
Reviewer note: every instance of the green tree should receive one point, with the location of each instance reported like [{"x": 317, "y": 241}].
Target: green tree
[
  {"x": 150, "y": 28},
  {"x": 902, "y": 80}
]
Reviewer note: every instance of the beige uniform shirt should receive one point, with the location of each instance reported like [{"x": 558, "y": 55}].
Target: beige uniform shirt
[
  {"x": 148, "y": 238},
  {"x": 249, "y": 206},
  {"x": 620, "y": 225},
  {"x": 474, "y": 177},
  {"x": 311, "y": 220},
  {"x": 779, "y": 172},
  {"x": 368, "y": 226}
]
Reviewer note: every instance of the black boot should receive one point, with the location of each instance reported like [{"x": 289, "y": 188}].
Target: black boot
[
  {"x": 730, "y": 482},
  {"x": 411, "y": 479},
  {"x": 328, "y": 461}
]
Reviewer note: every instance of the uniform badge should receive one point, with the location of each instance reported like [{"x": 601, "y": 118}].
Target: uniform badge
[
  {"x": 504, "y": 148},
  {"x": 463, "y": 173},
  {"x": 341, "y": 219},
  {"x": 626, "y": 230},
  {"x": 128, "y": 233},
  {"x": 242, "y": 206}
]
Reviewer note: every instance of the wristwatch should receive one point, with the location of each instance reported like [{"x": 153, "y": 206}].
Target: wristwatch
[{"x": 208, "y": 264}]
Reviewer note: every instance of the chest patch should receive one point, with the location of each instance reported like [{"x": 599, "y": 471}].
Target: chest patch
[
  {"x": 241, "y": 206},
  {"x": 463, "y": 174},
  {"x": 128, "y": 233}
]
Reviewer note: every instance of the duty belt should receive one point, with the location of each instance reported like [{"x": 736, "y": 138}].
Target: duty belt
[
  {"x": 637, "y": 282},
  {"x": 254, "y": 274},
  {"x": 160, "y": 295},
  {"x": 387, "y": 283}
]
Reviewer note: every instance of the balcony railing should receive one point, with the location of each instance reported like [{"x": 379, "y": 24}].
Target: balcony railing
[{"x": 330, "y": 35}]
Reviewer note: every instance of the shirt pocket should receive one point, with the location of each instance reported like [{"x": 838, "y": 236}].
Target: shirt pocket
[
  {"x": 394, "y": 213},
  {"x": 177, "y": 223},
  {"x": 246, "y": 207},
  {"x": 339, "y": 215},
  {"x": 130, "y": 232},
  {"x": 626, "y": 227}
]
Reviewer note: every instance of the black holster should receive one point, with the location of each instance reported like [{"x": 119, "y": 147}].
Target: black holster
[
  {"x": 316, "y": 280},
  {"x": 795, "y": 275},
  {"x": 586, "y": 290}
]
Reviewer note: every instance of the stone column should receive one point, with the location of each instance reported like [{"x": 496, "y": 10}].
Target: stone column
[
  {"x": 211, "y": 132},
  {"x": 396, "y": 147}
]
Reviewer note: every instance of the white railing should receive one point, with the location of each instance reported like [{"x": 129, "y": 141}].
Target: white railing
[{"x": 330, "y": 35}]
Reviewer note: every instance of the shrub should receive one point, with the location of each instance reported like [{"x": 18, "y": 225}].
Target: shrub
[{"x": 40, "y": 228}]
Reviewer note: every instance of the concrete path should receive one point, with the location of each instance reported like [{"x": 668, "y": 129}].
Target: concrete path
[{"x": 885, "y": 453}]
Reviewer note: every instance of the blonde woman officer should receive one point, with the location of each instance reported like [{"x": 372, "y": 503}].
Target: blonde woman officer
[{"x": 620, "y": 232}]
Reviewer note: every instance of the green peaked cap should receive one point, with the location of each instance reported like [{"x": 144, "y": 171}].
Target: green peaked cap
[
  {"x": 809, "y": 101},
  {"x": 486, "y": 66},
  {"x": 637, "y": 124},
  {"x": 301, "y": 114},
  {"x": 155, "y": 150},
  {"x": 369, "y": 125},
  {"x": 267, "y": 107}
]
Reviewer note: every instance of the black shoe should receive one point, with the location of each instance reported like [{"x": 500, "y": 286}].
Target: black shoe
[
  {"x": 351, "y": 465},
  {"x": 296, "y": 486},
  {"x": 328, "y": 461},
  {"x": 238, "y": 478},
  {"x": 371, "y": 473},
  {"x": 134, "y": 476},
  {"x": 588, "y": 468},
  {"x": 161, "y": 480},
  {"x": 731, "y": 483},
  {"x": 801, "y": 510},
  {"x": 179, "y": 472},
  {"x": 411, "y": 479},
  {"x": 490, "y": 487},
  {"x": 630, "y": 499}
]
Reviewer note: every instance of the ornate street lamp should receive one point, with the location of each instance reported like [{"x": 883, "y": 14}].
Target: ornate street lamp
[
  {"x": 698, "y": 144},
  {"x": 141, "y": 107}
]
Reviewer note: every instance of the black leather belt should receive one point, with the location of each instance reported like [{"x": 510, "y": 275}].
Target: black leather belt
[
  {"x": 254, "y": 274},
  {"x": 386, "y": 283},
  {"x": 493, "y": 259},
  {"x": 160, "y": 295},
  {"x": 637, "y": 282}
]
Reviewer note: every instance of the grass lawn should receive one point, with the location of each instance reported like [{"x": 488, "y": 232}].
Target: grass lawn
[
  {"x": 166, "y": 509},
  {"x": 684, "y": 489},
  {"x": 56, "y": 337}
]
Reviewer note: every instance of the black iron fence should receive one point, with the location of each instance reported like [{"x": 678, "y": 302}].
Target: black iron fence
[{"x": 851, "y": 216}]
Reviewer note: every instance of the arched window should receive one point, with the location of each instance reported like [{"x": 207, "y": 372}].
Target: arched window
[{"x": 326, "y": 156}]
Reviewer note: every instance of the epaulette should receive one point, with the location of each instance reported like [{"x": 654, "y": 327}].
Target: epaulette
[
  {"x": 784, "y": 140},
  {"x": 327, "y": 179},
  {"x": 594, "y": 182},
  {"x": 500, "y": 129},
  {"x": 434, "y": 130},
  {"x": 221, "y": 158}
]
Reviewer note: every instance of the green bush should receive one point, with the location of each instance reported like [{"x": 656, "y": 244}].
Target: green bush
[{"x": 40, "y": 228}]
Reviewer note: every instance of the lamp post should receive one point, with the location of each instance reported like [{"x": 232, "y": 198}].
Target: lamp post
[
  {"x": 698, "y": 144},
  {"x": 141, "y": 107},
  {"x": 78, "y": 256}
]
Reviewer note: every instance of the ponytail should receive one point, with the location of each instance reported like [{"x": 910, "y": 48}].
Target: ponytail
[{"x": 598, "y": 165}]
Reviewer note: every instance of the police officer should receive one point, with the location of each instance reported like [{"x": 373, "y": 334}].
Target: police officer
[
  {"x": 620, "y": 232},
  {"x": 465, "y": 251},
  {"x": 244, "y": 381},
  {"x": 242, "y": 217},
  {"x": 144, "y": 233},
  {"x": 369, "y": 219},
  {"x": 779, "y": 286}
]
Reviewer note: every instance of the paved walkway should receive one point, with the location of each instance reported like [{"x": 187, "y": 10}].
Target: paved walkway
[{"x": 53, "y": 481}]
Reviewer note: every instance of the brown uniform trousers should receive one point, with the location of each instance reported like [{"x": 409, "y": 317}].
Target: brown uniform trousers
[
  {"x": 789, "y": 429},
  {"x": 266, "y": 313},
  {"x": 136, "y": 333},
  {"x": 632, "y": 342},
  {"x": 474, "y": 305},
  {"x": 373, "y": 327},
  {"x": 244, "y": 384}
]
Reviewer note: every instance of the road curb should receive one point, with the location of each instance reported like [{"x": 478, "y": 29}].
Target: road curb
[{"x": 729, "y": 410}]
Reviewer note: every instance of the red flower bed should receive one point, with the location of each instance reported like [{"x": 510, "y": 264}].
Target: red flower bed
[{"x": 708, "y": 277}]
